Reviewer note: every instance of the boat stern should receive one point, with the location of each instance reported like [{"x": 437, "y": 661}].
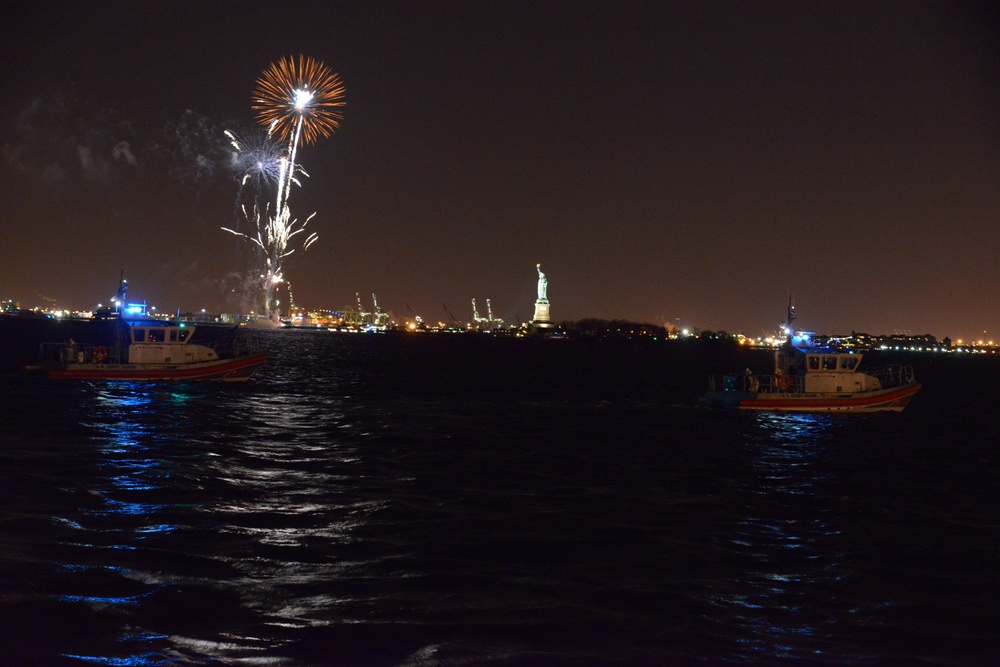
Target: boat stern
[{"x": 730, "y": 391}]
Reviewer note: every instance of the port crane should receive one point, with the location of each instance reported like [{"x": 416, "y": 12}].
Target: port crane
[
  {"x": 488, "y": 322},
  {"x": 454, "y": 320},
  {"x": 362, "y": 318},
  {"x": 380, "y": 320}
]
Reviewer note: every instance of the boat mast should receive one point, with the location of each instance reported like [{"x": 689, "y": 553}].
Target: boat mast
[
  {"x": 789, "y": 318},
  {"x": 783, "y": 354},
  {"x": 122, "y": 291}
]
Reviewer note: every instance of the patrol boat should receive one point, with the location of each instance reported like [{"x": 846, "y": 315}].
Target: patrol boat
[
  {"x": 153, "y": 351},
  {"x": 146, "y": 348},
  {"x": 815, "y": 379}
]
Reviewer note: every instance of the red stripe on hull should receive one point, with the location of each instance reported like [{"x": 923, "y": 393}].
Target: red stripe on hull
[
  {"x": 233, "y": 370},
  {"x": 894, "y": 400}
]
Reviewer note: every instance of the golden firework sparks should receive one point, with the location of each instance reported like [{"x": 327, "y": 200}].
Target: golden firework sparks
[{"x": 302, "y": 95}]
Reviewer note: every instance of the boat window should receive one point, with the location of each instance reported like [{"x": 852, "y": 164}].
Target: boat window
[
  {"x": 848, "y": 363},
  {"x": 156, "y": 336},
  {"x": 185, "y": 334},
  {"x": 829, "y": 363},
  {"x": 814, "y": 363},
  {"x": 138, "y": 335},
  {"x": 173, "y": 335}
]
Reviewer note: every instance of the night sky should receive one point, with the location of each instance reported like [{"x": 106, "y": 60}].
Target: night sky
[{"x": 689, "y": 163}]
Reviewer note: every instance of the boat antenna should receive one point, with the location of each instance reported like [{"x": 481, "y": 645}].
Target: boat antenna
[
  {"x": 122, "y": 291},
  {"x": 790, "y": 317}
]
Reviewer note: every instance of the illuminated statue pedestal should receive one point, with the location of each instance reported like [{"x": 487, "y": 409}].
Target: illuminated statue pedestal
[{"x": 542, "y": 321}]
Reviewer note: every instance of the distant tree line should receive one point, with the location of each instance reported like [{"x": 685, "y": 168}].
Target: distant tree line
[
  {"x": 603, "y": 328},
  {"x": 594, "y": 326}
]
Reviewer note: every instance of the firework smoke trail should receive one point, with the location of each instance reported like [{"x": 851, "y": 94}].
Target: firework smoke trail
[{"x": 298, "y": 101}]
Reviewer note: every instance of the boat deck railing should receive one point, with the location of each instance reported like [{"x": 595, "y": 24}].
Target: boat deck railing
[
  {"x": 62, "y": 354},
  {"x": 896, "y": 375},
  {"x": 237, "y": 342},
  {"x": 787, "y": 384}
]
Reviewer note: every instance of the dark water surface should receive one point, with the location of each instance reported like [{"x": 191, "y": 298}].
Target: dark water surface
[{"x": 419, "y": 501}]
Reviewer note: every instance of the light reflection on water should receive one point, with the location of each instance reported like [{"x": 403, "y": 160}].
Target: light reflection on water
[
  {"x": 275, "y": 482},
  {"x": 784, "y": 538},
  {"x": 285, "y": 518},
  {"x": 131, "y": 433},
  {"x": 781, "y": 429},
  {"x": 133, "y": 426}
]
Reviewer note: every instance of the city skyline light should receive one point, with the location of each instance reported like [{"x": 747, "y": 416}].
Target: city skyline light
[{"x": 671, "y": 163}]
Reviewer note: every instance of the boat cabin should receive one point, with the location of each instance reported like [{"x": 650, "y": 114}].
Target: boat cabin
[
  {"x": 155, "y": 342},
  {"x": 823, "y": 370}
]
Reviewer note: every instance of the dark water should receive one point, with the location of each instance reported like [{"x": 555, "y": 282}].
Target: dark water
[{"x": 462, "y": 501}]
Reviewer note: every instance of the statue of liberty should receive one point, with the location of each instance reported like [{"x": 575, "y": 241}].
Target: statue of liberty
[
  {"x": 543, "y": 284},
  {"x": 542, "y": 318}
]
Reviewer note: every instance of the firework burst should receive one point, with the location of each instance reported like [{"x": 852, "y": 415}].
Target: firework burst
[
  {"x": 298, "y": 101},
  {"x": 296, "y": 97},
  {"x": 256, "y": 158}
]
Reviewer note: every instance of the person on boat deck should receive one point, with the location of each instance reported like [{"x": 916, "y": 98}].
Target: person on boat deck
[
  {"x": 69, "y": 352},
  {"x": 750, "y": 382}
]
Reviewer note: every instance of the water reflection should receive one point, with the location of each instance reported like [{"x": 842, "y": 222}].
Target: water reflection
[
  {"x": 792, "y": 428},
  {"x": 788, "y": 549},
  {"x": 131, "y": 433},
  {"x": 213, "y": 508},
  {"x": 785, "y": 449},
  {"x": 132, "y": 424}
]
